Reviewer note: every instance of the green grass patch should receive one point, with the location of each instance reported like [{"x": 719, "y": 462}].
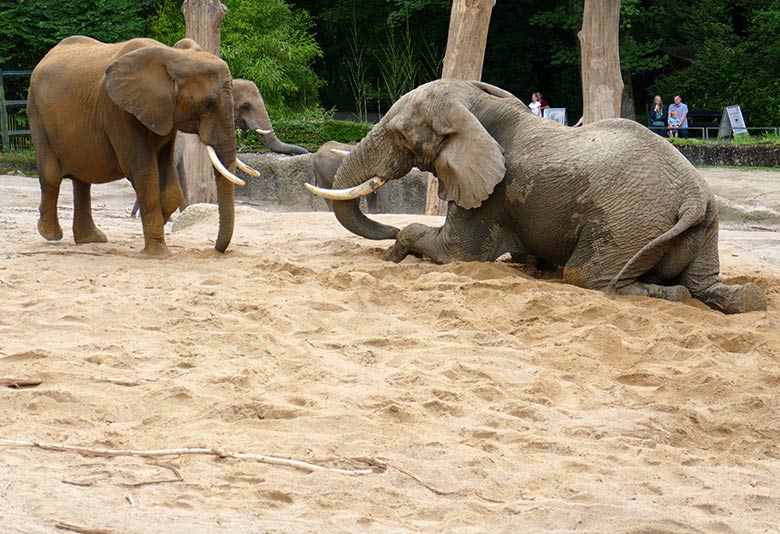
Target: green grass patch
[
  {"x": 766, "y": 139},
  {"x": 23, "y": 161}
]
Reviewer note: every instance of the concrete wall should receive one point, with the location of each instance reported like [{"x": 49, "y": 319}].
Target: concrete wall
[{"x": 281, "y": 186}]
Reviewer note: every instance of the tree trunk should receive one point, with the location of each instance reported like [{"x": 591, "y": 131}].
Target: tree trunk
[
  {"x": 466, "y": 41},
  {"x": 627, "y": 109},
  {"x": 602, "y": 84},
  {"x": 203, "y": 19}
]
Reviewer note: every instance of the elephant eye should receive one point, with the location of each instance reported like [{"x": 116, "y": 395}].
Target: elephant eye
[
  {"x": 209, "y": 106},
  {"x": 246, "y": 106}
]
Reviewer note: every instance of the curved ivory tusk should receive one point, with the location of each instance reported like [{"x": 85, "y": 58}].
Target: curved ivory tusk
[
  {"x": 340, "y": 153},
  {"x": 263, "y": 132},
  {"x": 221, "y": 168},
  {"x": 366, "y": 188},
  {"x": 247, "y": 169}
]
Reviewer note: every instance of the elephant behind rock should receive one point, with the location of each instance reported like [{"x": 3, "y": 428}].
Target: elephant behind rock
[
  {"x": 614, "y": 204},
  {"x": 326, "y": 162},
  {"x": 249, "y": 114},
  {"x": 101, "y": 112}
]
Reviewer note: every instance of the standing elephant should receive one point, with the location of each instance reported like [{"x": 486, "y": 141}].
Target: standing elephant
[
  {"x": 100, "y": 112},
  {"x": 249, "y": 113},
  {"x": 614, "y": 204},
  {"x": 326, "y": 162}
]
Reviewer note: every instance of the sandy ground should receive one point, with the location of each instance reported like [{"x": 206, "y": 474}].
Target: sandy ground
[{"x": 480, "y": 398}]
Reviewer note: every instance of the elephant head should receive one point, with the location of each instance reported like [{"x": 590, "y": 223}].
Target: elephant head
[
  {"x": 438, "y": 127},
  {"x": 187, "y": 89},
  {"x": 250, "y": 114}
]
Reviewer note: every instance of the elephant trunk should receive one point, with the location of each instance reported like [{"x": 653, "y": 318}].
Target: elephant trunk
[
  {"x": 275, "y": 145},
  {"x": 261, "y": 123},
  {"x": 362, "y": 164},
  {"x": 225, "y": 199}
]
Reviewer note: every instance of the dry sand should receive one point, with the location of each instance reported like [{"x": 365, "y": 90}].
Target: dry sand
[{"x": 485, "y": 399}]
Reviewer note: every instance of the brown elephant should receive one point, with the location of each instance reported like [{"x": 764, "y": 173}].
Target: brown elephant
[{"x": 100, "y": 112}]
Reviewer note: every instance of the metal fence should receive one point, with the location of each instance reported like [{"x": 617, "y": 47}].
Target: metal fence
[{"x": 14, "y": 133}]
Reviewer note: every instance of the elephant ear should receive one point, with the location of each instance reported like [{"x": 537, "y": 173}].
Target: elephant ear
[
  {"x": 471, "y": 163},
  {"x": 139, "y": 83}
]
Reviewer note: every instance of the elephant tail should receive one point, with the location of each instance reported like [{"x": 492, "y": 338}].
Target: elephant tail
[{"x": 689, "y": 216}]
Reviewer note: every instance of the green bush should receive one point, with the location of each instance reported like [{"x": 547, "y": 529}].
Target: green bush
[
  {"x": 267, "y": 42},
  {"x": 309, "y": 133}
]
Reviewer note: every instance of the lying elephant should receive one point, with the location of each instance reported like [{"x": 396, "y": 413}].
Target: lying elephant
[
  {"x": 326, "y": 162},
  {"x": 100, "y": 112},
  {"x": 249, "y": 114},
  {"x": 614, "y": 204}
]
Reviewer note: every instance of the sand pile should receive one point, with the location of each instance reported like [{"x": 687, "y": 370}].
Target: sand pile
[{"x": 480, "y": 398}]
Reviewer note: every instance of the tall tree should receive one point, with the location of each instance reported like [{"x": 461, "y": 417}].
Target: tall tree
[{"x": 602, "y": 83}]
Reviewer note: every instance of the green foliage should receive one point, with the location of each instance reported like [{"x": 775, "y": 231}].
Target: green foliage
[
  {"x": 309, "y": 133},
  {"x": 733, "y": 66},
  {"x": 266, "y": 42},
  {"x": 29, "y": 28},
  {"x": 23, "y": 160}
]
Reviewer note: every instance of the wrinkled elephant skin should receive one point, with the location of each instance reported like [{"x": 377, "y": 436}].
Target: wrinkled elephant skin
[{"x": 615, "y": 205}]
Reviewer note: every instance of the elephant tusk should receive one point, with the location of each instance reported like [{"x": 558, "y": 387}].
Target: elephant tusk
[
  {"x": 263, "y": 132},
  {"x": 247, "y": 169},
  {"x": 366, "y": 188},
  {"x": 340, "y": 153},
  {"x": 221, "y": 168}
]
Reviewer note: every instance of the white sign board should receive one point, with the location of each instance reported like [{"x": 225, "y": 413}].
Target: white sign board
[
  {"x": 732, "y": 121},
  {"x": 556, "y": 114}
]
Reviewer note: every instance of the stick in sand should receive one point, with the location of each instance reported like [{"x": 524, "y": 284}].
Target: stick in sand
[{"x": 273, "y": 460}]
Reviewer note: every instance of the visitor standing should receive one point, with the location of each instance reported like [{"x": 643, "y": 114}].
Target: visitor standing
[
  {"x": 682, "y": 114},
  {"x": 657, "y": 116},
  {"x": 535, "y": 105}
]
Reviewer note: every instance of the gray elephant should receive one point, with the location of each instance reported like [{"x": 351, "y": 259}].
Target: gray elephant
[
  {"x": 101, "y": 112},
  {"x": 327, "y": 160},
  {"x": 616, "y": 206},
  {"x": 250, "y": 114}
]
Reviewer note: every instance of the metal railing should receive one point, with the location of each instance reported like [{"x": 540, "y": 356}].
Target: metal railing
[
  {"x": 6, "y": 132},
  {"x": 710, "y": 133}
]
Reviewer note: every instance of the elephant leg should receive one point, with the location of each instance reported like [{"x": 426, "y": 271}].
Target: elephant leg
[
  {"x": 84, "y": 229},
  {"x": 372, "y": 203},
  {"x": 702, "y": 278},
  {"x": 676, "y": 293},
  {"x": 171, "y": 195},
  {"x": 147, "y": 190},
  {"x": 422, "y": 241},
  {"x": 736, "y": 298},
  {"x": 50, "y": 178}
]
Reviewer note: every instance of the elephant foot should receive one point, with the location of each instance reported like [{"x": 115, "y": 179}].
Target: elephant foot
[
  {"x": 670, "y": 293},
  {"x": 51, "y": 231},
  {"x": 396, "y": 253},
  {"x": 734, "y": 298},
  {"x": 156, "y": 249},
  {"x": 91, "y": 235}
]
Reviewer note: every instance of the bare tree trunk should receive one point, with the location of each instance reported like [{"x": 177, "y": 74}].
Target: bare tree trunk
[
  {"x": 203, "y": 19},
  {"x": 602, "y": 84},
  {"x": 466, "y": 42},
  {"x": 627, "y": 110}
]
